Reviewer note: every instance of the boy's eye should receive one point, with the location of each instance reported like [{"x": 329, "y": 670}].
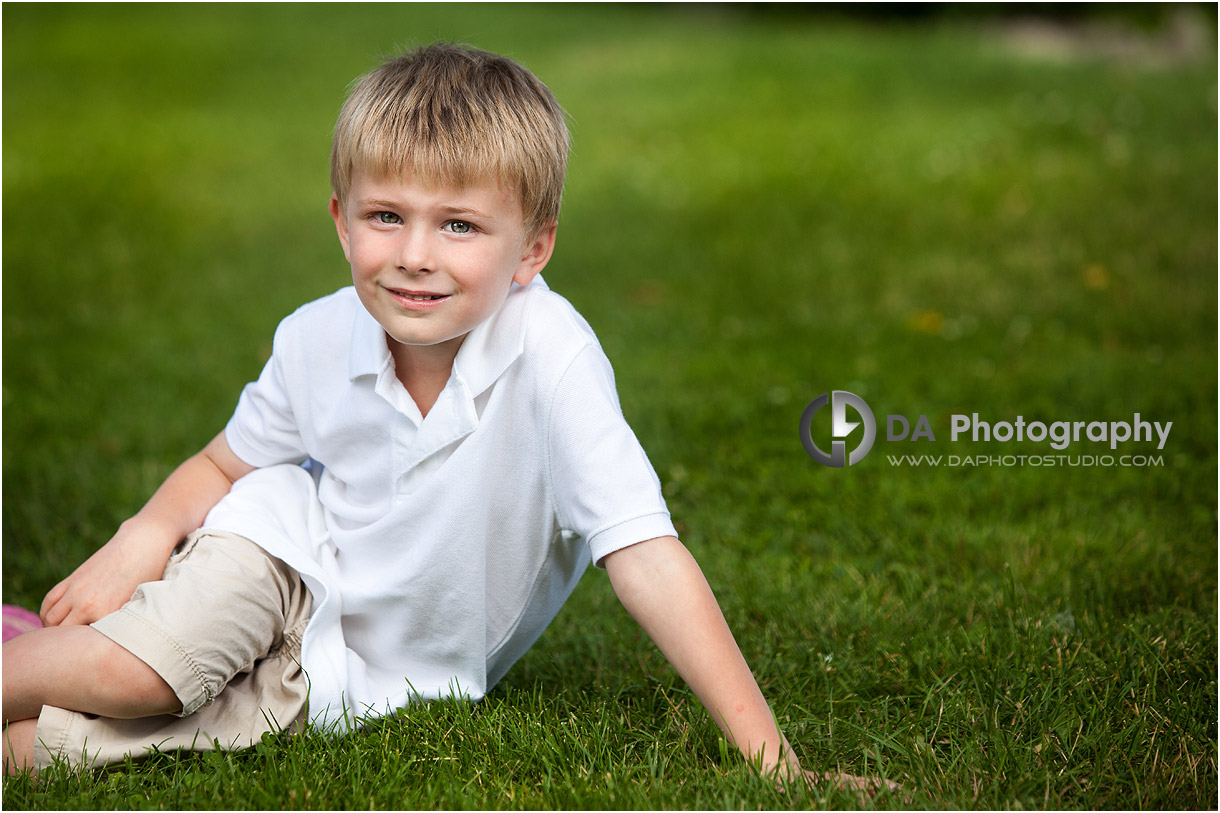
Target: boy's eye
[
  {"x": 460, "y": 227},
  {"x": 389, "y": 218}
]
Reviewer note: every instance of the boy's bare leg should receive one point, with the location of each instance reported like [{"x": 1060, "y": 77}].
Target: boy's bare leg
[
  {"x": 78, "y": 668},
  {"x": 19, "y": 746}
]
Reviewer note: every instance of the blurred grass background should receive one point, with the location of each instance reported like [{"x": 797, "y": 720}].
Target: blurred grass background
[{"x": 945, "y": 214}]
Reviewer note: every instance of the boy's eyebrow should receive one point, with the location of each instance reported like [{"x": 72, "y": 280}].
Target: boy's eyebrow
[
  {"x": 449, "y": 209},
  {"x": 465, "y": 210}
]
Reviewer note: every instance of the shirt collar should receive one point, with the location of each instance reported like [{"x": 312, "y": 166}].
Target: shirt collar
[
  {"x": 495, "y": 344},
  {"x": 486, "y": 353},
  {"x": 369, "y": 353}
]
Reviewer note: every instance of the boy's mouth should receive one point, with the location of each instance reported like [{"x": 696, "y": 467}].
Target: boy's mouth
[{"x": 417, "y": 298}]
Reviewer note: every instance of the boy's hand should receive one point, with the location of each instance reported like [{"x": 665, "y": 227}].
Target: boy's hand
[
  {"x": 104, "y": 583},
  {"x": 865, "y": 787},
  {"x": 140, "y": 550},
  {"x": 789, "y": 771}
]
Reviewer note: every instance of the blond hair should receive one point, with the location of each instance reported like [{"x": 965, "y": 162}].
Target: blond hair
[{"x": 455, "y": 115}]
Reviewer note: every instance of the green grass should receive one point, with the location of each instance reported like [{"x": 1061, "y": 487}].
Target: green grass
[{"x": 762, "y": 207}]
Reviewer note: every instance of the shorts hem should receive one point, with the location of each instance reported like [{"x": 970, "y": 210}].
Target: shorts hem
[
  {"x": 174, "y": 665},
  {"x": 52, "y": 734}
]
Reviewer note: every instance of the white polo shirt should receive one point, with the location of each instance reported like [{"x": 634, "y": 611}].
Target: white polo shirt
[{"x": 437, "y": 549}]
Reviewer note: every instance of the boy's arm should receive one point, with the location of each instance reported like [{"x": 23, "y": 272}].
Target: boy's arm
[
  {"x": 662, "y": 587},
  {"x": 140, "y": 549}
]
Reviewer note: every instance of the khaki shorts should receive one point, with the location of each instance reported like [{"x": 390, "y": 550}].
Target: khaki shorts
[{"x": 223, "y": 628}]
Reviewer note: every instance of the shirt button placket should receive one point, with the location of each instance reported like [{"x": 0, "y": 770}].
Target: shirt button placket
[{"x": 401, "y": 437}]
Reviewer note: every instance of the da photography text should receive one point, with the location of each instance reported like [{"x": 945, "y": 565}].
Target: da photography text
[{"x": 849, "y": 412}]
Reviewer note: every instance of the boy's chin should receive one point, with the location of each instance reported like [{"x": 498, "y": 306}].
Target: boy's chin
[{"x": 410, "y": 344}]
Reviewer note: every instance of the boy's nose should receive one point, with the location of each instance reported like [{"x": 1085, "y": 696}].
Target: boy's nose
[{"x": 415, "y": 252}]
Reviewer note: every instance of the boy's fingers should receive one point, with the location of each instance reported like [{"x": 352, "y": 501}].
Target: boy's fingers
[
  {"x": 50, "y": 612},
  {"x": 66, "y": 608},
  {"x": 75, "y": 614},
  {"x": 867, "y": 786},
  {"x": 56, "y": 614}
]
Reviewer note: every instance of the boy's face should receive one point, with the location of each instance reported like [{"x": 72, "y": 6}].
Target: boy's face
[{"x": 431, "y": 263}]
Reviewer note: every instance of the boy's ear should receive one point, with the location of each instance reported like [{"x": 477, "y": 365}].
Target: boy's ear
[
  {"x": 340, "y": 218},
  {"x": 536, "y": 255}
]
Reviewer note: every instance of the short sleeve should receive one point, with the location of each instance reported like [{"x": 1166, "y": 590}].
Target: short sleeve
[
  {"x": 606, "y": 490},
  {"x": 263, "y": 430}
]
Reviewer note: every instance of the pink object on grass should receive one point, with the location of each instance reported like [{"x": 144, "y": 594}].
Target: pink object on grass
[{"x": 18, "y": 620}]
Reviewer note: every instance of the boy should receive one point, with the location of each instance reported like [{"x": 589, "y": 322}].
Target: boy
[{"x": 413, "y": 486}]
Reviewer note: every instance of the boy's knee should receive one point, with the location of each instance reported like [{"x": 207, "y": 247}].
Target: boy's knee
[
  {"x": 149, "y": 695},
  {"x": 133, "y": 688}
]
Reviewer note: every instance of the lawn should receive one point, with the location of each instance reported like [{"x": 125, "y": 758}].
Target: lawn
[{"x": 941, "y": 217}]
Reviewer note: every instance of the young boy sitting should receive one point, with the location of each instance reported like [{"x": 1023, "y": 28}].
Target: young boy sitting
[{"x": 406, "y": 496}]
